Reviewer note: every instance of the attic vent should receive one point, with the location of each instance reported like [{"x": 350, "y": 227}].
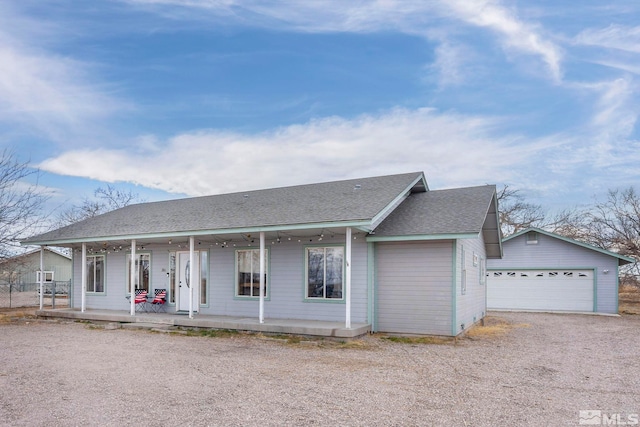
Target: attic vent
[{"x": 357, "y": 187}]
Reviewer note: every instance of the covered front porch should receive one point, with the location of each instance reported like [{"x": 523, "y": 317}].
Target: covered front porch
[{"x": 252, "y": 324}]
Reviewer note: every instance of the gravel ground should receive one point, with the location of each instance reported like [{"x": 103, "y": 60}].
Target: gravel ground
[{"x": 542, "y": 372}]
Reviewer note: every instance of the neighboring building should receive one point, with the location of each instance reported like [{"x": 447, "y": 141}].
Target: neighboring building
[
  {"x": 385, "y": 251},
  {"x": 548, "y": 272},
  {"x": 25, "y": 269}
]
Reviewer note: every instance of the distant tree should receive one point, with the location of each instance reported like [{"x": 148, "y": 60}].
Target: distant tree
[
  {"x": 105, "y": 199},
  {"x": 21, "y": 203},
  {"x": 615, "y": 225},
  {"x": 515, "y": 213}
]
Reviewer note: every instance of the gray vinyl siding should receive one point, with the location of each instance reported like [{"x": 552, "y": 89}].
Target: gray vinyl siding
[
  {"x": 413, "y": 292},
  {"x": 286, "y": 281},
  {"x": 114, "y": 296},
  {"x": 472, "y": 306},
  {"x": 287, "y": 285},
  {"x": 552, "y": 253}
]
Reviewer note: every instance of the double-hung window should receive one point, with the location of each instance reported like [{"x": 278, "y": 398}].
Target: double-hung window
[
  {"x": 95, "y": 273},
  {"x": 142, "y": 272},
  {"x": 248, "y": 272},
  {"x": 325, "y": 272}
]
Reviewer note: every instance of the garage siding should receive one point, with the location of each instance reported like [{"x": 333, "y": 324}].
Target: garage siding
[
  {"x": 553, "y": 253},
  {"x": 414, "y": 287}
]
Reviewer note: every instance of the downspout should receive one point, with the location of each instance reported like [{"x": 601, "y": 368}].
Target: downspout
[
  {"x": 347, "y": 323},
  {"x": 132, "y": 277},
  {"x": 261, "y": 315}
]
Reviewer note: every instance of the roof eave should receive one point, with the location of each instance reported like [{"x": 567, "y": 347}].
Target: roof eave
[
  {"x": 363, "y": 225},
  {"x": 622, "y": 258},
  {"x": 422, "y": 237}
]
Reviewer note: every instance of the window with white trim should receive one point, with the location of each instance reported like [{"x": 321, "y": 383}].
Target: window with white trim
[
  {"x": 248, "y": 272},
  {"x": 324, "y": 273},
  {"x": 142, "y": 274},
  {"x": 95, "y": 273},
  {"x": 48, "y": 276}
]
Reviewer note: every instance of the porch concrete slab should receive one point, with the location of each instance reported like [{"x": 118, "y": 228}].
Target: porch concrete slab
[{"x": 278, "y": 326}]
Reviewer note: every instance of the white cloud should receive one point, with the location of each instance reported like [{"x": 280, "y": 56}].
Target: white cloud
[
  {"x": 614, "y": 37},
  {"x": 453, "y": 149},
  {"x": 615, "y": 107},
  {"x": 450, "y": 64},
  {"x": 516, "y": 33},
  {"x": 410, "y": 17},
  {"x": 49, "y": 93}
]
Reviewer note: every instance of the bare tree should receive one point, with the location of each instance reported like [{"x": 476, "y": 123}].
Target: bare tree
[
  {"x": 21, "y": 203},
  {"x": 615, "y": 225},
  {"x": 105, "y": 200},
  {"x": 515, "y": 213}
]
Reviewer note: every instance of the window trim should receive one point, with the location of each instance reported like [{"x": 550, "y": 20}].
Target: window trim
[
  {"x": 46, "y": 272},
  {"x": 104, "y": 274},
  {"x": 127, "y": 270},
  {"x": 532, "y": 238},
  {"x": 267, "y": 284},
  {"x": 204, "y": 269},
  {"x": 305, "y": 266}
]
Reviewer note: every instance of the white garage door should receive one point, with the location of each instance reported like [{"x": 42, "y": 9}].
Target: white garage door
[{"x": 553, "y": 290}]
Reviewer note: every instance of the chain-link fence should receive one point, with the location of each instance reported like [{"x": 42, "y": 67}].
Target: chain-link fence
[{"x": 56, "y": 294}]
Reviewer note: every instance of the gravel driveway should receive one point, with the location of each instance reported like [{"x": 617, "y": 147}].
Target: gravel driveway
[{"x": 542, "y": 372}]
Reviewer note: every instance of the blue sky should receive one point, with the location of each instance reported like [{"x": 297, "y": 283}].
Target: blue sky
[{"x": 193, "y": 97}]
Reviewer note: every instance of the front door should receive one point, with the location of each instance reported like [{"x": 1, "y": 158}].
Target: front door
[{"x": 183, "y": 284}]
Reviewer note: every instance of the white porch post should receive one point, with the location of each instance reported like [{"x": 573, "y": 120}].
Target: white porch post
[
  {"x": 42, "y": 277},
  {"x": 192, "y": 244},
  {"x": 132, "y": 277},
  {"x": 83, "y": 280},
  {"x": 261, "y": 277},
  {"x": 347, "y": 280}
]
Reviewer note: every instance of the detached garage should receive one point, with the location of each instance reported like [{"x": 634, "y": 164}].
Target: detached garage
[{"x": 543, "y": 271}]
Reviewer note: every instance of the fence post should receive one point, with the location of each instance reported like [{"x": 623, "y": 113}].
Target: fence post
[
  {"x": 53, "y": 294},
  {"x": 10, "y": 286}
]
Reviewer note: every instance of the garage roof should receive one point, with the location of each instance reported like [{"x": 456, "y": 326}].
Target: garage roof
[{"x": 622, "y": 260}]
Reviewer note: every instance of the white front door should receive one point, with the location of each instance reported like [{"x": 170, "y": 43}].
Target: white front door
[{"x": 184, "y": 284}]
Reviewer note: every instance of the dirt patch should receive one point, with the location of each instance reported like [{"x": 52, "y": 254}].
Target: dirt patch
[
  {"x": 69, "y": 374},
  {"x": 9, "y": 315},
  {"x": 629, "y": 300},
  {"x": 494, "y": 326}
]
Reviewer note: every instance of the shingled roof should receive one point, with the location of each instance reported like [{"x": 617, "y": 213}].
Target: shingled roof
[
  {"x": 354, "y": 202},
  {"x": 444, "y": 214}
]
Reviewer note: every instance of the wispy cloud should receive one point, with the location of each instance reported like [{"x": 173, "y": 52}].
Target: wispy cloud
[
  {"x": 47, "y": 93},
  {"x": 614, "y": 37},
  {"x": 362, "y": 16},
  {"x": 516, "y": 34},
  {"x": 457, "y": 149}
]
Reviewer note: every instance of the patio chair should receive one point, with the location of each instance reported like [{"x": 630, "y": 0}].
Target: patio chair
[
  {"x": 159, "y": 301},
  {"x": 141, "y": 300}
]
